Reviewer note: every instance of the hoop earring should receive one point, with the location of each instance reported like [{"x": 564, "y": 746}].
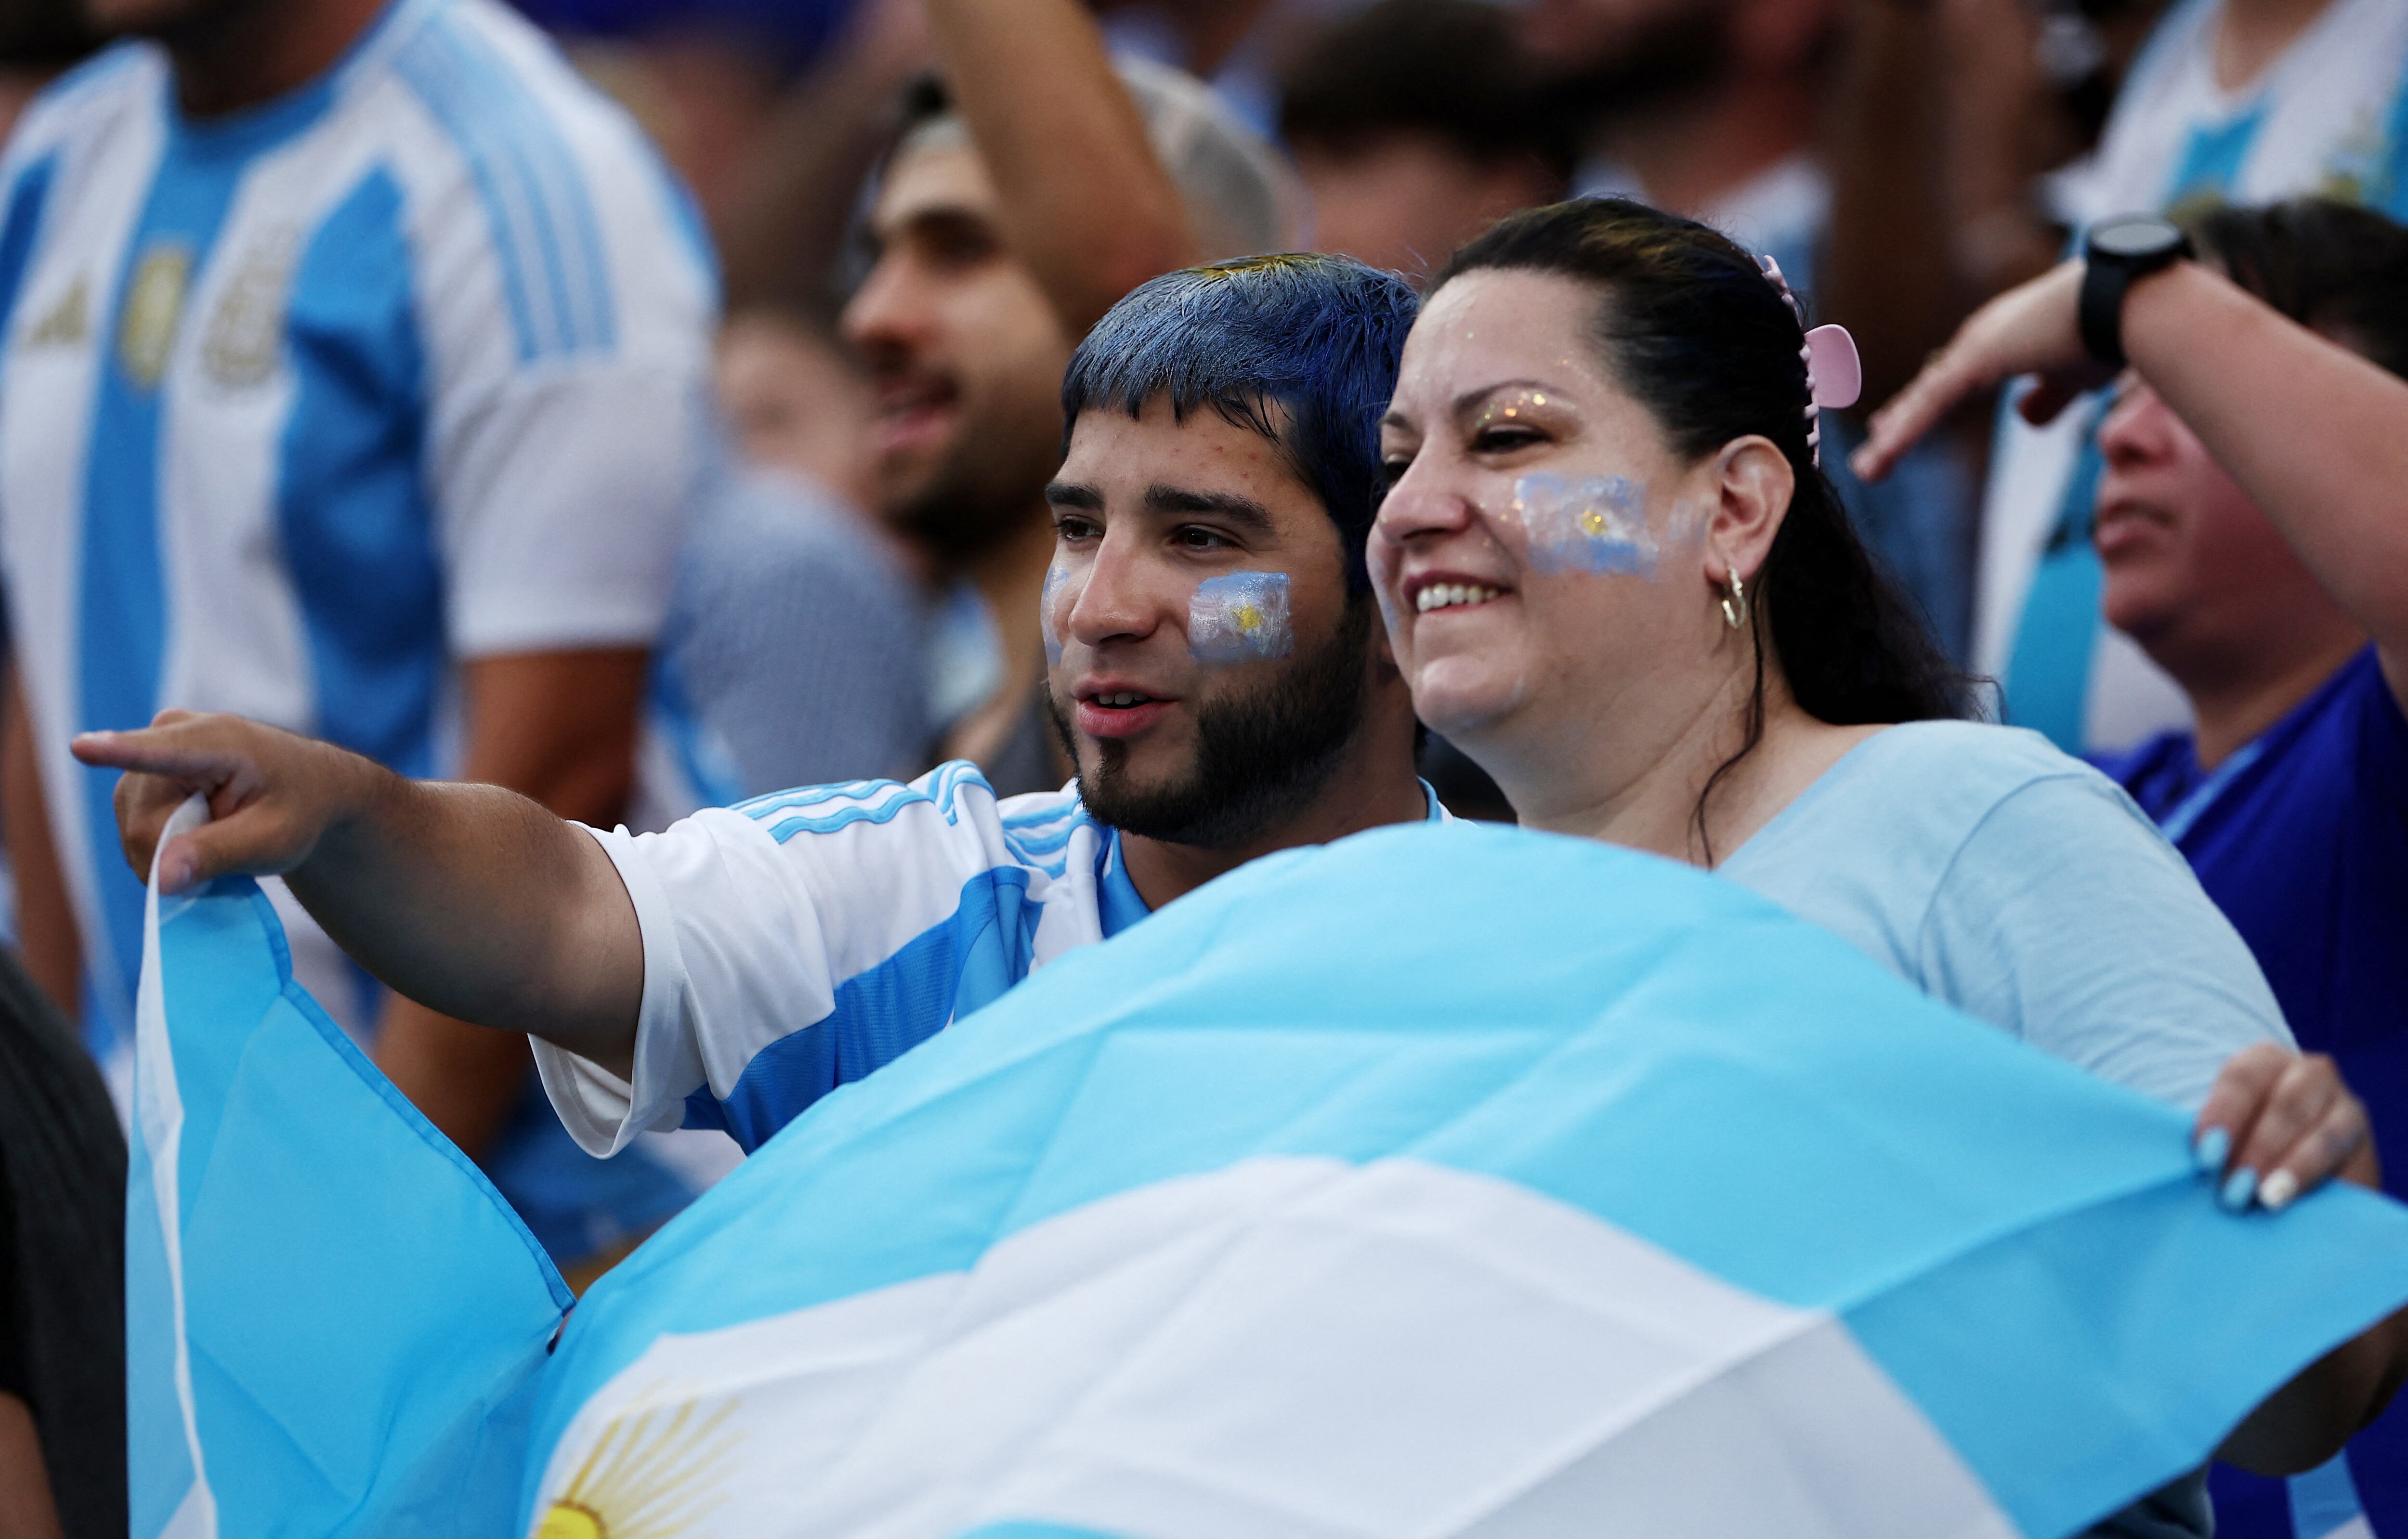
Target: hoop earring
[{"x": 1735, "y": 603}]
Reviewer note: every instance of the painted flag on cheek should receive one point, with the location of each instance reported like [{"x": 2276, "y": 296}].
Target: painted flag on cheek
[{"x": 1577, "y": 1193}]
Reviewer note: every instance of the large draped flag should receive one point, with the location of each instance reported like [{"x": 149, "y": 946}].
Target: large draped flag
[{"x": 1445, "y": 1181}]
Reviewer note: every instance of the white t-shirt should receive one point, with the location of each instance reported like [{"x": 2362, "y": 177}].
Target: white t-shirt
[{"x": 2328, "y": 117}]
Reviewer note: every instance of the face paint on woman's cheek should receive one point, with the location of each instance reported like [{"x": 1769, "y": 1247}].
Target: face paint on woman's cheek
[
  {"x": 1596, "y": 523},
  {"x": 1239, "y": 617}
]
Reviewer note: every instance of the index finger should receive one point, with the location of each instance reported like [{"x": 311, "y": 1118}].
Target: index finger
[
  {"x": 1930, "y": 396},
  {"x": 169, "y": 750}
]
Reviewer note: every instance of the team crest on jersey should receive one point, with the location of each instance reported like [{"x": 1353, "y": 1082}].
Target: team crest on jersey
[
  {"x": 246, "y": 333},
  {"x": 67, "y": 322},
  {"x": 154, "y": 304}
]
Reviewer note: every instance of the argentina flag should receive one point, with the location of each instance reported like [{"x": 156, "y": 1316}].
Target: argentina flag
[{"x": 1445, "y": 1181}]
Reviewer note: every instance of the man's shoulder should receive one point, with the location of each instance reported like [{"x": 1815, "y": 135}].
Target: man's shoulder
[
  {"x": 97, "y": 96},
  {"x": 512, "y": 106},
  {"x": 2349, "y": 739}
]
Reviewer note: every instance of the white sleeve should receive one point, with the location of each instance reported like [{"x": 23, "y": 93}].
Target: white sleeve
[
  {"x": 569, "y": 415},
  {"x": 601, "y": 1111},
  {"x": 564, "y": 507},
  {"x": 753, "y": 923}
]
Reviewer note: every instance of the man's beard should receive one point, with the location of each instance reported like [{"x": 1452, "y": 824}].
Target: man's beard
[
  {"x": 983, "y": 491},
  {"x": 1671, "y": 59},
  {"x": 1260, "y": 757}
]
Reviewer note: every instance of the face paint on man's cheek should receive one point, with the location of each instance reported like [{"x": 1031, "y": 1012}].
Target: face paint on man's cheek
[
  {"x": 1595, "y": 523},
  {"x": 1240, "y": 617},
  {"x": 1052, "y": 605}
]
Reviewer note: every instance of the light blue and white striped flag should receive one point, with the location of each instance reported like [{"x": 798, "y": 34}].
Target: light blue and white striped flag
[
  {"x": 1445, "y": 1181},
  {"x": 333, "y": 1323}
]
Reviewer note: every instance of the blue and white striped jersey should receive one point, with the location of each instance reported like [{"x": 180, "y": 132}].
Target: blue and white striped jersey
[
  {"x": 302, "y": 407},
  {"x": 2328, "y": 117},
  {"x": 797, "y": 942}
]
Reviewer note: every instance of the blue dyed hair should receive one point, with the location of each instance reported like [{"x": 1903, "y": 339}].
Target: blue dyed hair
[{"x": 1301, "y": 348}]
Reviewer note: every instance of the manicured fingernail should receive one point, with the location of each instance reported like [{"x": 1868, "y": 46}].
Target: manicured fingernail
[
  {"x": 2279, "y": 1190},
  {"x": 2212, "y": 1148},
  {"x": 2238, "y": 1189}
]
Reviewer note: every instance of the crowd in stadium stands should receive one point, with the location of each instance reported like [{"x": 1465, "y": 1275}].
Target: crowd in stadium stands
[{"x": 657, "y": 408}]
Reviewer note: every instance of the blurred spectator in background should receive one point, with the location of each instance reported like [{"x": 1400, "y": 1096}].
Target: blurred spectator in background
[
  {"x": 2249, "y": 522},
  {"x": 1003, "y": 229},
  {"x": 793, "y": 653},
  {"x": 62, "y": 1279},
  {"x": 797, "y": 400},
  {"x": 1415, "y": 127},
  {"x": 354, "y": 376},
  {"x": 2244, "y": 101},
  {"x": 1714, "y": 109},
  {"x": 2288, "y": 636}
]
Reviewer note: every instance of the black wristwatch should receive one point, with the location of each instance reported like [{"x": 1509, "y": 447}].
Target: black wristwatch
[{"x": 2114, "y": 253}]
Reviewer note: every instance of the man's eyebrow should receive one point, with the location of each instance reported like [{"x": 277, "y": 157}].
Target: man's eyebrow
[
  {"x": 1074, "y": 494},
  {"x": 1231, "y": 506}
]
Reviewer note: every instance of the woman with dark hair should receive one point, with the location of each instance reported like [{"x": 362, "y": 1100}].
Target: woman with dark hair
[{"x": 1614, "y": 576}]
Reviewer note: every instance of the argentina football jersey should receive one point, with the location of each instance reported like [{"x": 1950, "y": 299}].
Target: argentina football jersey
[
  {"x": 799, "y": 942},
  {"x": 306, "y": 405}
]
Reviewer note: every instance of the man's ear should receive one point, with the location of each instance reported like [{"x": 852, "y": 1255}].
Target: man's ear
[{"x": 1753, "y": 485}]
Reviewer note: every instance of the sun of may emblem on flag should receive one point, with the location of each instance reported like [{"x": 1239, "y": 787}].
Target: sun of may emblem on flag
[{"x": 650, "y": 1476}]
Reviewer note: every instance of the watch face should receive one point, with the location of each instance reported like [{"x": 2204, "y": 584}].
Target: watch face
[{"x": 2137, "y": 236}]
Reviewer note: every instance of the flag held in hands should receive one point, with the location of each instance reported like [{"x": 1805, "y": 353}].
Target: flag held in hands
[{"x": 1445, "y": 1181}]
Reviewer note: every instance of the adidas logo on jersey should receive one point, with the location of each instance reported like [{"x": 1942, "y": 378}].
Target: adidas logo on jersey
[{"x": 66, "y": 324}]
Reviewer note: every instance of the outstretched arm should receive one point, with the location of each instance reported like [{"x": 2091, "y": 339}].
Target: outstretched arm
[
  {"x": 473, "y": 900},
  {"x": 1084, "y": 201},
  {"x": 2315, "y": 434}
]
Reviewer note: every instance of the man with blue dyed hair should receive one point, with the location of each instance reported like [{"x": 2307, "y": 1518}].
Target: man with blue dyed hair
[
  {"x": 353, "y": 358},
  {"x": 1215, "y": 665}
]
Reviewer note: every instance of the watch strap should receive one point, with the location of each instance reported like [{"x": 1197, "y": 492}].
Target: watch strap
[{"x": 2100, "y": 312}]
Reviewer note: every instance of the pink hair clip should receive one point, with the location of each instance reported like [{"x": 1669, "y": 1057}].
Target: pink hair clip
[{"x": 1835, "y": 375}]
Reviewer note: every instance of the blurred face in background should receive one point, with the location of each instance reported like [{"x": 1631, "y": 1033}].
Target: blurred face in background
[
  {"x": 797, "y": 403},
  {"x": 1404, "y": 199},
  {"x": 2194, "y": 571},
  {"x": 964, "y": 353},
  {"x": 1198, "y": 749}
]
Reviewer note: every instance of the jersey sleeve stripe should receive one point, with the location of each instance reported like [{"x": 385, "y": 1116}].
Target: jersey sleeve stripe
[
  {"x": 760, "y": 807},
  {"x": 545, "y": 233},
  {"x": 845, "y": 818}
]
